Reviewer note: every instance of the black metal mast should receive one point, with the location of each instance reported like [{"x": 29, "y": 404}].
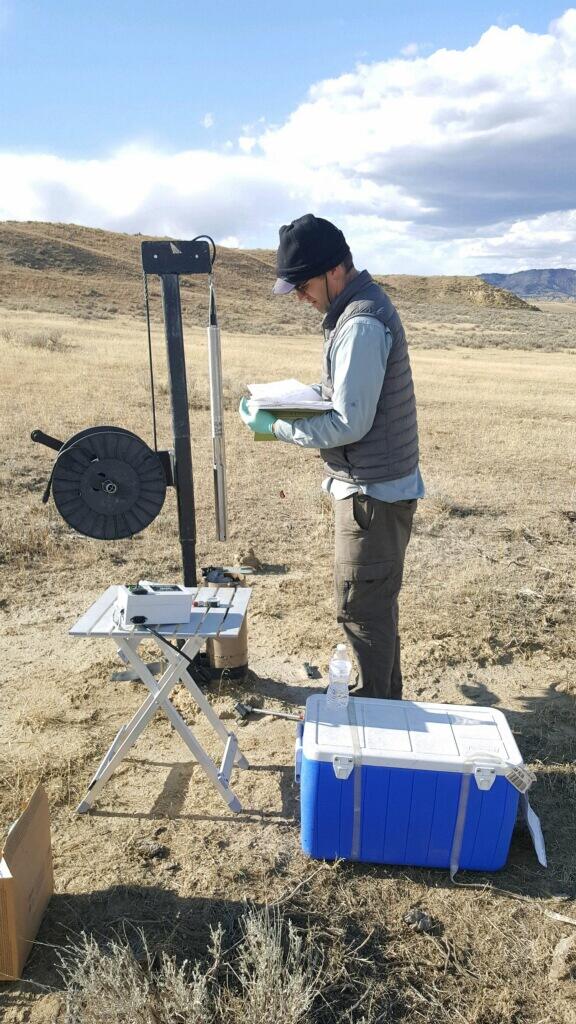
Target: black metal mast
[
  {"x": 183, "y": 474},
  {"x": 168, "y": 260}
]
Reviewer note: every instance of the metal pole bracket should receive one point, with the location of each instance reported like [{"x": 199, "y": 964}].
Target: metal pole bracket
[{"x": 176, "y": 257}]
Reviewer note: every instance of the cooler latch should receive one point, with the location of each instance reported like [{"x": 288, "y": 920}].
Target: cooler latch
[
  {"x": 343, "y": 766},
  {"x": 484, "y": 777}
]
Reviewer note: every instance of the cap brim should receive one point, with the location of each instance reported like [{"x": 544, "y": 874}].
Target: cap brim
[{"x": 282, "y": 287}]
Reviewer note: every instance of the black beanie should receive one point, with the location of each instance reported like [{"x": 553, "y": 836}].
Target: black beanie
[{"x": 308, "y": 247}]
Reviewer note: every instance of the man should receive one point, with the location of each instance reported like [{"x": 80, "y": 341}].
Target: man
[{"x": 369, "y": 440}]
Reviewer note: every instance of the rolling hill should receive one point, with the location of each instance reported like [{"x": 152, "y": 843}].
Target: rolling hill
[{"x": 91, "y": 273}]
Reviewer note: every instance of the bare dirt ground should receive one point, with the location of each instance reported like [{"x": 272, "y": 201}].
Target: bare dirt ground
[{"x": 487, "y": 618}]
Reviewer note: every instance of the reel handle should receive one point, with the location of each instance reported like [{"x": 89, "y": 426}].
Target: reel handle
[{"x": 41, "y": 438}]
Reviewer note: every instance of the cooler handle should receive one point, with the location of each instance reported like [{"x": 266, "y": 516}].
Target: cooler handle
[{"x": 298, "y": 752}]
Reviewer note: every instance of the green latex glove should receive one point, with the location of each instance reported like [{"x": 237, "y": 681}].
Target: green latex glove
[{"x": 259, "y": 421}]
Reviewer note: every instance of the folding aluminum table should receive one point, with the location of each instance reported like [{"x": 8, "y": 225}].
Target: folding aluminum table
[{"x": 206, "y": 621}]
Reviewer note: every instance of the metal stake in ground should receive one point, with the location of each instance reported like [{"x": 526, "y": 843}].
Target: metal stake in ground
[{"x": 245, "y": 710}]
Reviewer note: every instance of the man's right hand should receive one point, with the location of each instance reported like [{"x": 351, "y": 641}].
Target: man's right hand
[{"x": 259, "y": 421}]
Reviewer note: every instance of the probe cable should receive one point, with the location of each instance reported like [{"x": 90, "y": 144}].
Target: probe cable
[
  {"x": 208, "y": 238},
  {"x": 198, "y": 675},
  {"x": 159, "y": 636}
]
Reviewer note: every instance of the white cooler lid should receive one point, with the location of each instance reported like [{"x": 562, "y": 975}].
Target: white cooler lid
[{"x": 407, "y": 734}]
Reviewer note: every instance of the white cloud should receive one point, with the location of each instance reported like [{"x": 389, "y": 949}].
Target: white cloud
[
  {"x": 229, "y": 241},
  {"x": 548, "y": 238},
  {"x": 441, "y": 163},
  {"x": 410, "y": 50},
  {"x": 247, "y": 143},
  {"x": 207, "y": 121}
]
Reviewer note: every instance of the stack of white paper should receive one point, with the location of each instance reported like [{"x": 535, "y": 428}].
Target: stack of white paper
[{"x": 286, "y": 394}]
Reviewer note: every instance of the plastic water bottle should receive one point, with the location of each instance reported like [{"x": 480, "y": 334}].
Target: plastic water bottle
[{"x": 339, "y": 671}]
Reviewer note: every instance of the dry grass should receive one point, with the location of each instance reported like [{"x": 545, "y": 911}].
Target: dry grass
[
  {"x": 111, "y": 984},
  {"x": 487, "y": 618},
  {"x": 437, "y": 325},
  {"x": 60, "y": 776},
  {"x": 23, "y": 544},
  {"x": 341, "y": 952},
  {"x": 51, "y": 340},
  {"x": 273, "y": 971},
  {"x": 199, "y": 393}
]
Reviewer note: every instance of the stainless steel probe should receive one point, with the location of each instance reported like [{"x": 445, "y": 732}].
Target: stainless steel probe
[{"x": 219, "y": 452}]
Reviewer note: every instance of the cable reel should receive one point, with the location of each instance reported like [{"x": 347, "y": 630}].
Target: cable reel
[{"x": 106, "y": 482}]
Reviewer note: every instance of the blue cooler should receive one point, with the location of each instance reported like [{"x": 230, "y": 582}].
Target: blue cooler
[{"x": 400, "y": 782}]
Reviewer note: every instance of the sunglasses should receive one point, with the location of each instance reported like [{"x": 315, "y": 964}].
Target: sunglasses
[{"x": 301, "y": 288}]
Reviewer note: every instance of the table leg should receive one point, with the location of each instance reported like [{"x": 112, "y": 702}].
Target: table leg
[
  {"x": 128, "y": 734},
  {"x": 218, "y": 779},
  {"x": 159, "y": 698},
  {"x": 205, "y": 705}
]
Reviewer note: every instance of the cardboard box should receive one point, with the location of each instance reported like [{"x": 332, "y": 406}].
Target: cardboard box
[{"x": 26, "y": 884}]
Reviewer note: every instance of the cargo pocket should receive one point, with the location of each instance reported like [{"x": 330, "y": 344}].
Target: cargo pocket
[
  {"x": 364, "y": 591},
  {"x": 362, "y": 510}
]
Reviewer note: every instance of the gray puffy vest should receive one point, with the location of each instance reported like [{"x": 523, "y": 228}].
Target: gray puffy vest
[{"x": 389, "y": 450}]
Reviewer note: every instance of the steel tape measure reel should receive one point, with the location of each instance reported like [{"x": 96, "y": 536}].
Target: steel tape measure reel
[{"x": 107, "y": 483}]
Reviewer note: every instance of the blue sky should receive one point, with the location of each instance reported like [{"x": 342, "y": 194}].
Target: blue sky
[
  {"x": 248, "y": 96},
  {"x": 81, "y": 78}
]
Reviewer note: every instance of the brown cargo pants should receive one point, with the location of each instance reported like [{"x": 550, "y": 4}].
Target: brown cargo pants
[{"x": 371, "y": 540}]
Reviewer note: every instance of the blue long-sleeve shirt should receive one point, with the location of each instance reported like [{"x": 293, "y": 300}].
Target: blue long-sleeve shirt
[{"x": 358, "y": 363}]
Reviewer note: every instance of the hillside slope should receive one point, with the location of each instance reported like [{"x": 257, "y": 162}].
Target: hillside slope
[{"x": 92, "y": 273}]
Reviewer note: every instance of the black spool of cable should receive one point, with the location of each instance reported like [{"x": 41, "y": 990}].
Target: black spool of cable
[{"x": 107, "y": 483}]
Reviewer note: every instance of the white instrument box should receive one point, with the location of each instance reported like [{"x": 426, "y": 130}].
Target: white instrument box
[{"x": 153, "y": 604}]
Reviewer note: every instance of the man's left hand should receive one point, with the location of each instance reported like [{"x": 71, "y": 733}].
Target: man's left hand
[{"x": 259, "y": 420}]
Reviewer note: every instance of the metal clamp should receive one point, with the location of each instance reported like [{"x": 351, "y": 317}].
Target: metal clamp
[{"x": 518, "y": 775}]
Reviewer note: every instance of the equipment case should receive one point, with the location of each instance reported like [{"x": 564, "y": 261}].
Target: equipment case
[{"x": 400, "y": 782}]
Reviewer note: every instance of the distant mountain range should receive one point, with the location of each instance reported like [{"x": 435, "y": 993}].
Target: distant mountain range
[{"x": 537, "y": 284}]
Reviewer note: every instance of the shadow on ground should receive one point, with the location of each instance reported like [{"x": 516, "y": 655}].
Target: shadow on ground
[
  {"x": 293, "y": 693},
  {"x": 170, "y": 801},
  {"x": 545, "y": 732},
  {"x": 177, "y": 925}
]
